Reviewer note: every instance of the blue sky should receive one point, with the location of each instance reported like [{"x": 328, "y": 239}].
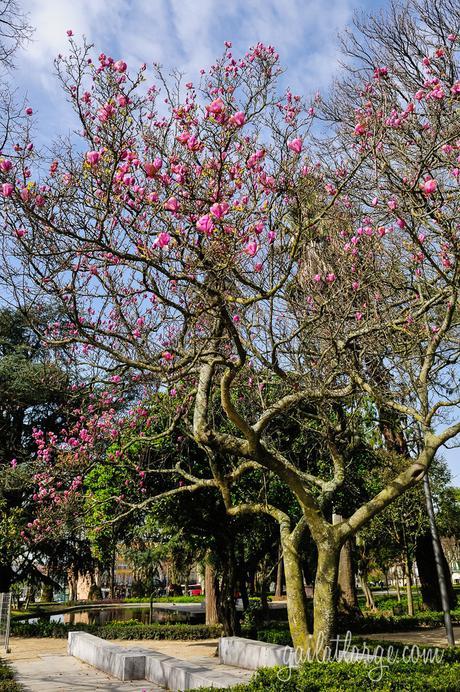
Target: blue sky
[
  {"x": 183, "y": 34},
  {"x": 187, "y": 35}
]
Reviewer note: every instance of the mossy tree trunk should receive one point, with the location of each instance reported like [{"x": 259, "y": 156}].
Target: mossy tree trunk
[
  {"x": 295, "y": 594},
  {"x": 325, "y": 596}
]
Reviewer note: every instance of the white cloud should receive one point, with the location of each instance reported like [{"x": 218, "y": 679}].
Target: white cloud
[{"x": 186, "y": 34}]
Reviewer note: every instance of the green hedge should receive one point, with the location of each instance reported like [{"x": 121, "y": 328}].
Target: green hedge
[
  {"x": 394, "y": 623},
  {"x": 346, "y": 677},
  {"x": 162, "y": 599},
  {"x": 128, "y": 629},
  {"x": 7, "y": 682}
]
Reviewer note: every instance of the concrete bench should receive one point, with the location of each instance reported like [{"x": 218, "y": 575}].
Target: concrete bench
[
  {"x": 119, "y": 661},
  {"x": 145, "y": 664},
  {"x": 175, "y": 674},
  {"x": 252, "y": 654}
]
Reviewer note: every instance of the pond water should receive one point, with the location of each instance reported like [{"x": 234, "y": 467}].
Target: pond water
[{"x": 102, "y": 616}]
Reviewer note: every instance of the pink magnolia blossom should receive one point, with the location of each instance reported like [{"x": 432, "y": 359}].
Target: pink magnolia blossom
[
  {"x": 330, "y": 278},
  {"x": 120, "y": 66},
  {"x": 238, "y": 119},
  {"x": 7, "y": 189},
  {"x": 93, "y": 157},
  {"x": 296, "y": 145},
  {"x": 5, "y": 165},
  {"x": 150, "y": 169},
  {"x": 216, "y": 107},
  {"x": 205, "y": 224},
  {"x": 172, "y": 204},
  {"x": 219, "y": 209},
  {"x": 163, "y": 240},
  {"x": 251, "y": 248},
  {"x": 429, "y": 186}
]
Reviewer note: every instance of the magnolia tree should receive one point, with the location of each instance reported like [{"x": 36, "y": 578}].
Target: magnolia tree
[{"x": 200, "y": 241}]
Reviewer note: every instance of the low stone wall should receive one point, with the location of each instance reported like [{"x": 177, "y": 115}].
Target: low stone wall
[
  {"x": 122, "y": 663},
  {"x": 145, "y": 664},
  {"x": 252, "y": 654},
  {"x": 175, "y": 674}
]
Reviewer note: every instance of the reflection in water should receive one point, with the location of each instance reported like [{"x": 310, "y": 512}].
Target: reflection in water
[{"x": 102, "y": 616}]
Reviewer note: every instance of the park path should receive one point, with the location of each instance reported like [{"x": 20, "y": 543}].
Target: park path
[
  {"x": 428, "y": 637},
  {"x": 42, "y": 665}
]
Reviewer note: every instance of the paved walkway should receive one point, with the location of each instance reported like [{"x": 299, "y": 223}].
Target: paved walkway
[
  {"x": 435, "y": 637},
  {"x": 42, "y": 665}
]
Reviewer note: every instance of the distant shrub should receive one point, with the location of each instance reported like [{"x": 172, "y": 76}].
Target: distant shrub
[{"x": 122, "y": 629}]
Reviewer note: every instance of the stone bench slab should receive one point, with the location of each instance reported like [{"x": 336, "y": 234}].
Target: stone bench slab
[{"x": 119, "y": 661}]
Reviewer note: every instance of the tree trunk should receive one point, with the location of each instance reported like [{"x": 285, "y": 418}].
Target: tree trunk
[
  {"x": 6, "y": 577},
  {"x": 243, "y": 586},
  {"x": 398, "y": 591},
  {"x": 325, "y": 597},
  {"x": 429, "y": 583},
  {"x": 295, "y": 596},
  {"x": 279, "y": 573},
  {"x": 226, "y": 606},
  {"x": 212, "y": 617},
  {"x": 347, "y": 598},
  {"x": 370, "y": 603},
  {"x": 410, "y": 600}
]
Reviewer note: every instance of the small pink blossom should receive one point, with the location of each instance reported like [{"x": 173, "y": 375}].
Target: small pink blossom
[
  {"x": 166, "y": 355},
  {"x": 172, "y": 204},
  {"x": 163, "y": 240},
  {"x": 205, "y": 224},
  {"x": 238, "y": 119},
  {"x": 20, "y": 232},
  {"x": 5, "y": 165},
  {"x": 219, "y": 209},
  {"x": 29, "y": 111},
  {"x": 120, "y": 66},
  {"x": 296, "y": 145},
  {"x": 359, "y": 316},
  {"x": 216, "y": 107},
  {"x": 93, "y": 157},
  {"x": 7, "y": 189},
  {"x": 251, "y": 248},
  {"x": 69, "y": 32},
  {"x": 429, "y": 186}
]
